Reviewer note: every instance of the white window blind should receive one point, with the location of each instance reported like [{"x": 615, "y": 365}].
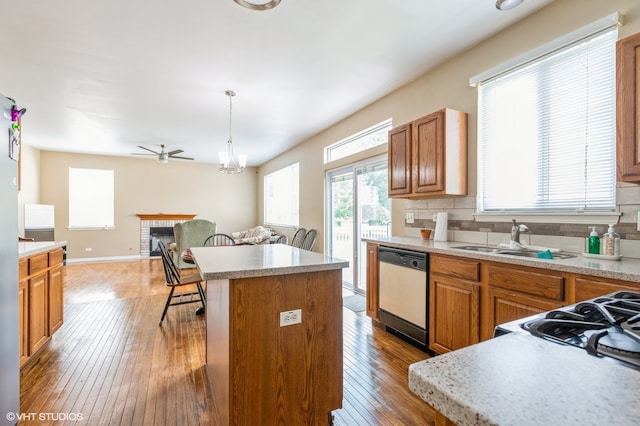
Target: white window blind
[
  {"x": 281, "y": 196},
  {"x": 91, "y": 199},
  {"x": 546, "y": 131}
]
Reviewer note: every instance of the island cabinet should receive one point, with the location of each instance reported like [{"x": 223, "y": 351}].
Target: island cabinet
[
  {"x": 274, "y": 333},
  {"x": 40, "y": 290},
  {"x": 454, "y": 308},
  {"x": 428, "y": 157},
  {"x": 628, "y": 108}
]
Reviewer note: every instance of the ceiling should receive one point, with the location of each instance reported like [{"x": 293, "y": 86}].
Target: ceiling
[{"x": 102, "y": 77}]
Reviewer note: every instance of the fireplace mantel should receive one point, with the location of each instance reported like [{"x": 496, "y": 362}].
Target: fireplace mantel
[{"x": 165, "y": 216}]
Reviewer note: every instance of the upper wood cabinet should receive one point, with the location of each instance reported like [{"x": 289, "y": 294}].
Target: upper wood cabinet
[
  {"x": 428, "y": 157},
  {"x": 628, "y": 108}
]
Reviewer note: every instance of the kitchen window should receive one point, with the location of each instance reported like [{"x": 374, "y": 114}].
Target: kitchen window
[
  {"x": 368, "y": 138},
  {"x": 281, "y": 196},
  {"x": 546, "y": 128}
]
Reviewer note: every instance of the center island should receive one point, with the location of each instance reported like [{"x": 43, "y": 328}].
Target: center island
[{"x": 274, "y": 333}]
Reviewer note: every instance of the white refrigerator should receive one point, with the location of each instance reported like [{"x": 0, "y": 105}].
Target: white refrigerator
[{"x": 9, "y": 367}]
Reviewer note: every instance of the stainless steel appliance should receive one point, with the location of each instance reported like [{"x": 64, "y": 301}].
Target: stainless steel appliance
[
  {"x": 607, "y": 327},
  {"x": 403, "y": 293},
  {"x": 9, "y": 369}
]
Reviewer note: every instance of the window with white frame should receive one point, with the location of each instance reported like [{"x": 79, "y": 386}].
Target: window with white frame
[
  {"x": 547, "y": 131},
  {"x": 368, "y": 138},
  {"x": 91, "y": 199},
  {"x": 281, "y": 196}
]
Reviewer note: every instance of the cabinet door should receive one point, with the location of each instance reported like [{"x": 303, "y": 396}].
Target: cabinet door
[
  {"x": 454, "y": 314},
  {"x": 56, "y": 298},
  {"x": 628, "y": 108},
  {"x": 428, "y": 154},
  {"x": 587, "y": 288},
  {"x": 38, "y": 316},
  {"x": 372, "y": 281},
  {"x": 399, "y": 151},
  {"x": 505, "y": 306},
  {"x": 23, "y": 320}
]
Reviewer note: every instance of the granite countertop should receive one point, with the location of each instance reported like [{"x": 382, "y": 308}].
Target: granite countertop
[
  {"x": 518, "y": 379},
  {"x": 243, "y": 261},
  {"x": 28, "y": 248},
  {"x": 626, "y": 269}
]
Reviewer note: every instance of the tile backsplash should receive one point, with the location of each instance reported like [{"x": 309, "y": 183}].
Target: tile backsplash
[{"x": 565, "y": 236}]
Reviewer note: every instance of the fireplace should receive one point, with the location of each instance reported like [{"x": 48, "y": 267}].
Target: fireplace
[
  {"x": 162, "y": 221},
  {"x": 159, "y": 233}
]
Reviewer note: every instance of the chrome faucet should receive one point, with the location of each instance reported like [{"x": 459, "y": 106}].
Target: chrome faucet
[{"x": 516, "y": 230}]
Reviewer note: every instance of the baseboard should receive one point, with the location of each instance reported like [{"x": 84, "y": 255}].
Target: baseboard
[{"x": 103, "y": 259}]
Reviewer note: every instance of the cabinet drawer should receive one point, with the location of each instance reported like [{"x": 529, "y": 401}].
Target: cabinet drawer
[
  {"x": 526, "y": 281},
  {"x": 455, "y": 267},
  {"x": 23, "y": 268},
  {"x": 55, "y": 257},
  {"x": 38, "y": 263}
]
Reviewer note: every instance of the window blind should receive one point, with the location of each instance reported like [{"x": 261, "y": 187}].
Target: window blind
[{"x": 546, "y": 131}]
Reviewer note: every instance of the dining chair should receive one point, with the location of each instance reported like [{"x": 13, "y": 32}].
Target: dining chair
[
  {"x": 175, "y": 279},
  {"x": 219, "y": 240},
  {"x": 298, "y": 238},
  {"x": 309, "y": 240},
  {"x": 281, "y": 239}
]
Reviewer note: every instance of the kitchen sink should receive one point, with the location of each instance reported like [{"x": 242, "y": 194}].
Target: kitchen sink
[{"x": 510, "y": 252}]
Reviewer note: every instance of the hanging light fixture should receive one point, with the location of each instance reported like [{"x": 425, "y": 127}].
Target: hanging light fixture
[
  {"x": 229, "y": 164},
  {"x": 258, "y": 4},
  {"x": 507, "y": 4}
]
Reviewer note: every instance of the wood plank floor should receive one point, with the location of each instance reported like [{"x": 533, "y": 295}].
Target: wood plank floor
[{"x": 111, "y": 363}]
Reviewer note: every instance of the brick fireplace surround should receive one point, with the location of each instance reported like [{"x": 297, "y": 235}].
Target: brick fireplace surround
[{"x": 157, "y": 220}]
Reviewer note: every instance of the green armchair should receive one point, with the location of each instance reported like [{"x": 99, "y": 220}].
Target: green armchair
[{"x": 191, "y": 233}]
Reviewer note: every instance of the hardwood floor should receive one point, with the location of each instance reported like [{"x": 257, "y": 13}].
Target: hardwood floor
[{"x": 111, "y": 363}]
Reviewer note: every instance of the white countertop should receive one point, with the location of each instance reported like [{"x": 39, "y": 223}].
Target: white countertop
[
  {"x": 27, "y": 248},
  {"x": 627, "y": 269},
  {"x": 518, "y": 379},
  {"x": 243, "y": 261}
]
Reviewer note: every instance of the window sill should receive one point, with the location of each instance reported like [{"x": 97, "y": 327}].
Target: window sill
[{"x": 588, "y": 218}]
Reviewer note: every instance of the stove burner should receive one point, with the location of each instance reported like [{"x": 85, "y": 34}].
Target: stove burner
[{"x": 605, "y": 326}]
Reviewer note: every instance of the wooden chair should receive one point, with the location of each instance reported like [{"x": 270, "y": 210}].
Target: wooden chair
[
  {"x": 219, "y": 240},
  {"x": 309, "y": 240},
  {"x": 298, "y": 237},
  {"x": 175, "y": 279}
]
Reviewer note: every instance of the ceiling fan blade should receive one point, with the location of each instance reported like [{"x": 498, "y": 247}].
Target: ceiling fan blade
[
  {"x": 147, "y": 149},
  {"x": 181, "y": 158},
  {"x": 142, "y": 153},
  {"x": 176, "y": 151}
]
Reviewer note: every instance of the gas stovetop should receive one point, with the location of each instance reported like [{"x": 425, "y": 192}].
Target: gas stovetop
[{"x": 607, "y": 327}]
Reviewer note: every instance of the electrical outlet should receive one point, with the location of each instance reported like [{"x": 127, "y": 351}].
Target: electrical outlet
[
  {"x": 435, "y": 217},
  {"x": 290, "y": 317},
  {"x": 638, "y": 225},
  {"x": 409, "y": 217},
  {"x": 88, "y": 249}
]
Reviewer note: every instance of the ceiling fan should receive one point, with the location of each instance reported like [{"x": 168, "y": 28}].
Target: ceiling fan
[{"x": 163, "y": 156}]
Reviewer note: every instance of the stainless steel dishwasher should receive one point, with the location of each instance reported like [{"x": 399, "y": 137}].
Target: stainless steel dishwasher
[{"x": 403, "y": 292}]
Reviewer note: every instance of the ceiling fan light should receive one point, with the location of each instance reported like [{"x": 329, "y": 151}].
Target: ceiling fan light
[
  {"x": 258, "y": 5},
  {"x": 163, "y": 158},
  {"x": 507, "y": 4}
]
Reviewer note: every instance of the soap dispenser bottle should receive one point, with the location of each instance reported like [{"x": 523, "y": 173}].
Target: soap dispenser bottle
[
  {"x": 594, "y": 241},
  {"x": 611, "y": 242}
]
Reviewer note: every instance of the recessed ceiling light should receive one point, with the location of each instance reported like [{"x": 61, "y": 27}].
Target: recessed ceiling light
[
  {"x": 507, "y": 4},
  {"x": 258, "y": 4}
]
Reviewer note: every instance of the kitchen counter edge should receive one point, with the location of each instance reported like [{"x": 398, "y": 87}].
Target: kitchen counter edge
[
  {"x": 28, "y": 248},
  {"x": 626, "y": 269}
]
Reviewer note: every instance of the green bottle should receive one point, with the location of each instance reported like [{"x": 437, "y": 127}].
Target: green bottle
[{"x": 594, "y": 241}]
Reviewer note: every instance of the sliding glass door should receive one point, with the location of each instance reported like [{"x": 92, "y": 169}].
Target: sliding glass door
[{"x": 357, "y": 207}]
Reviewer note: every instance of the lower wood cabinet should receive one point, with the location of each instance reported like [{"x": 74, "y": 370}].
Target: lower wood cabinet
[
  {"x": 454, "y": 314},
  {"x": 372, "y": 281},
  {"x": 590, "y": 287},
  {"x": 41, "y": 299}
]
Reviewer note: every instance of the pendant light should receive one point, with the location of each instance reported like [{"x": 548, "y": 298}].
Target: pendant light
[
  {"x": 228, "y": 163},
  {"x": 507, "y": 4}
]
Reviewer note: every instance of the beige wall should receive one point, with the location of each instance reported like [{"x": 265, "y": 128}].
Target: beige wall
[
  {"x": 145, "y": 186},
  {"x": 445, "y": 86},
  {"x": 29, "y": 181}
]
